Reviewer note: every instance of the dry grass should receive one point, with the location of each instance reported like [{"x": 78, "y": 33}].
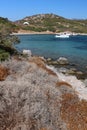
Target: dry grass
[
  {"x": 3, "y": 73},
  {"x": 41, "y": 64},
  {"x": 74, "y": 112},
  {"x": 43, "y": 129},
  {"x": 17, "y": 58},
  {"x": 35, "y": 100},
  {"x": 62, "y": 83}
]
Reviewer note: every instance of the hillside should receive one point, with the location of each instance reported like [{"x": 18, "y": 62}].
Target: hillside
[
  {"x": 52, "y": 22},
  {"x": 7, "y": 25},
  {"x": 44, "y": 22},
  {"x": 7, "y": 40}
]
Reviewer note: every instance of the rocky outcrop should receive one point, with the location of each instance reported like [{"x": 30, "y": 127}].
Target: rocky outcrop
[
  {"x": 59, "y": 61},
  {"x": 63, "y": 61}
]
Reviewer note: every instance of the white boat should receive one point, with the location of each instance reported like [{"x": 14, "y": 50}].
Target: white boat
[{"x": 62, "y": 35}]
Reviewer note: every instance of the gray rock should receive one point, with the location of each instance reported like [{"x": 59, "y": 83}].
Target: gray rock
[
  {"x": 85, "y": 82},
  {"x": 49, "y": 59},
  {"x": 63, "y": 61},
  {"x": 63, "y": 70},
  {"x": 27, "y": 52}
]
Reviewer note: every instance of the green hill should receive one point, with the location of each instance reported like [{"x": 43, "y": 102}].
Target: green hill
[
  {"x": 52, "y": 22},
  {"x": 44, "y": 22},
  {"x": 7, "y": 25}
]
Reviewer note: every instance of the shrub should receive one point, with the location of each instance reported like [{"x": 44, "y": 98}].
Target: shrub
[{"x": 4, "y": 56}]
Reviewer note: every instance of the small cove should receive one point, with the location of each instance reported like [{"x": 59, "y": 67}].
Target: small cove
[{"x": 74, "y": 48}]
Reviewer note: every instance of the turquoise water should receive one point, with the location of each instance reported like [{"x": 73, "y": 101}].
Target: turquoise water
[{"x": 73, "y": 48}]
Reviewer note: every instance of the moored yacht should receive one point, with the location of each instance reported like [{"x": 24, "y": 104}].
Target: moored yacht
[{"x": 64, "y": 35}]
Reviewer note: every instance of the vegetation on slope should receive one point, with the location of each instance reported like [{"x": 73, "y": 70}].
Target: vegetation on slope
[
  {"x": 7, "y": 40},
  {"x": 52, "y": 22}
]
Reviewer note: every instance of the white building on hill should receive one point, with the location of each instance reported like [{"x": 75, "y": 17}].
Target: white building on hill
[{"x": 26, "y": 23}]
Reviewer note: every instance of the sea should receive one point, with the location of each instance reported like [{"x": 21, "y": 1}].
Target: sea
[{"x": 73, "y": 48}]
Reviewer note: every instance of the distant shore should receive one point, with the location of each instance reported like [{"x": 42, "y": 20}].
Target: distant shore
[
  {"x": 22, "y": 32},
  {"x": 25, "y": 32}
]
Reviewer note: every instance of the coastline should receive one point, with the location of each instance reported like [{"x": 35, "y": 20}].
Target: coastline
[
  {"x": 79, "y": 70},
  {"x": 25, "y": 32}
]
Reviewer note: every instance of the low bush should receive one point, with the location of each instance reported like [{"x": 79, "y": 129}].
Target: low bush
[{"x": 4, "y": 55}]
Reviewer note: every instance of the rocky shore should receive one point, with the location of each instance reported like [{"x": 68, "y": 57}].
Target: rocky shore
[
  {"x": 63, "y": 65},
  {"x": 36, "y": 96}
]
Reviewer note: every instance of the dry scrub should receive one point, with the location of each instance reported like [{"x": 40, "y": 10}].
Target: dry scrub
[
  {"x": 29, "y": 99},
  {"x": 40, "y": 63},
  {"x": 62, "y": 83},
  {"x": 74, "y": 112},
  {"x": 3, "y": 73},
  {"x": 33, "y": 98}
]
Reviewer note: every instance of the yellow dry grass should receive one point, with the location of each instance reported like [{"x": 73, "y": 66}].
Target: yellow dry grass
[
  {"x": 41, "y": 64},
  {"x": 3, "y": 73},
  {"x": 62, "y": 83},
  {"x": 74, "y": 112}
]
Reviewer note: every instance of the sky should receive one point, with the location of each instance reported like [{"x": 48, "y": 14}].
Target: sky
[{"x": 18, "y": 9}]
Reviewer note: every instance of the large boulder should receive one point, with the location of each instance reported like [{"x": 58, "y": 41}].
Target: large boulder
[
  {"x": 27, "y": 52},
  {"x": 63, "y": 61}
]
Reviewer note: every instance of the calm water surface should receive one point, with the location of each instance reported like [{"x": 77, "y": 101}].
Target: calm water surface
[{"x": 73, "y": 48}]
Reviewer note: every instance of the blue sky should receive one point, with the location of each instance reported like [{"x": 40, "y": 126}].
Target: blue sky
[{"x": 18, "y": 9}]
